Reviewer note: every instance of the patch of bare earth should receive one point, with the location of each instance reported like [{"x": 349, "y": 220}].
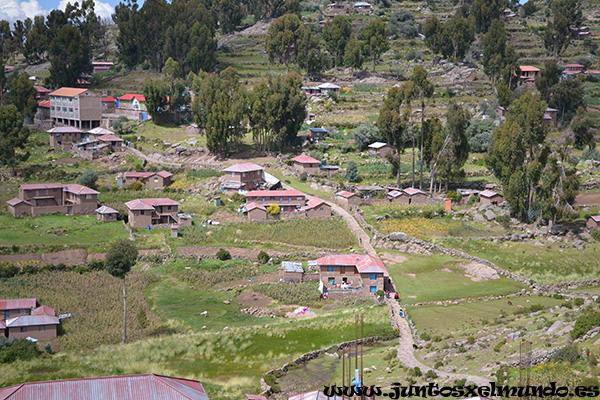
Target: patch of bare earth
[
  {"x": 479, "y": 272},
  {"x": 254, "y": 299}
]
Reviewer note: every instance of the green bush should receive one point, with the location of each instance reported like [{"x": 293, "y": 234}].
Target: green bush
[
  {"x": 303, "y": 177},
  {"x": 18, "y": 349},
  {"x": 585, "y": 322},
  {"x": 473, "y": 200},
  {"x": 379, "y": 293},
  {"x": 425, "y": 336},
  {"x": 135, "y": 186},
  {"x": 223, "y": 255},
  {"x": 596, "y": 234},
  {"x": 460, "y": 382},
  {"x": 578, "y": 302},
  {"x": 263, "y": 257},
  {"x": 454, "y": 196},
  {"x": 568, "y": 354},
  {"x": 471, "y": 340},
  {"x": 438, "y": 364},
  {"x": 89, "y": 178},
  {"x": 417, "y": 371},
  {"x": 431, "y": 374}
]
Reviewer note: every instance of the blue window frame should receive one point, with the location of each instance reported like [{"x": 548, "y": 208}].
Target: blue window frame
[
  {"x": 373, "y": 289},
  {"x": 330, "y": 268},
  {"x": 372, "y": 276}
]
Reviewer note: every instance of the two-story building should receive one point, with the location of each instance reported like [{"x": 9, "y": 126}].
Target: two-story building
[
  {"x": 76, "y": 107},
  {"x": 527, "y": 73},
  {"x": 347, "y": 274},
  {"x": 63, "y": 137},
  {"x": 144, "y": 213},
  {"x": 245, "y": 176},
  {"x": 156, "y": 180},
  {"x": 53, "y": 198},
  {"x": 19, "y": 318},
  {"x": 287, "y": 200}
]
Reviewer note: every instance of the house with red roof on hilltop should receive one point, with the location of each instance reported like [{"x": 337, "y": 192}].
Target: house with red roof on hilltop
[
  {"x": 126, "y": 387},
  {"x": 156, "y": 180},
  {"x": 145, "y": 213},
  {"x": 351, "y": 274},
  {"x": 527, "y": 74},
  {"x": 19, "y": 318},
  {"x": 304, "y": 163},
  {"x": 245, "y": 176},
  {"x": 53, "y": 198}
]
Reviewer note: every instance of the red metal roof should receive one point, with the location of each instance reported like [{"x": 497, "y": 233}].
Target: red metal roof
[
  {"x": 79, "y": 189},
  {"x": 44, "y": 310},
  {"x": 131, "y": 96},
  {"x": 304, "y": 159},
  {"x": 276, "y": 193},
  {"x": 252, "y": 206},
  {"x": 363, "y": 263},
  {"x": 412, "y": 191},
  {"x": 574, "y": 66},
  {"x": 527, "y": 68},
  {"x": 14, "y": 304},
  {"x": 164, "y": 174},
  {"x": 345, "y": 194},
  {"x": 149, "y": 204},
  {"x": 244, "y": 167},
  {"x": 16, "y": 200},
  {"x": 110, "y": 138},
  {"x": 108, "y": 99},
  {"x": 312, "y": 203},
  {"x": 41, "y": 89},
  {"x": 255, "y": 397},
  {"x": 138, "y": 174},
  {"x": 32, "y": 320},
  {"x": 44, "y": 104},
  {"x": 147, "y": 387}
]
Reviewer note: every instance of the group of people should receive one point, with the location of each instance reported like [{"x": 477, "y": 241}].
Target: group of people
[{"x": 396, "y": 295}]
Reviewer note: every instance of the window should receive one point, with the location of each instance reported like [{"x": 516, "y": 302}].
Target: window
[
  {"x": 155, "y": 179},
  {"x": 169, "y": 208},
  {"x": 88, "y": 196},
  {"x": 330, "y": 268},
  {"x": 23, "y": 329},
  {"x": 243, "y": 174},
  {"x": 70, "y": 109},
  {"x": 289, "y": 199},
  {"x": 6, "y": 314},
  {"x": 65, "y": 109},
  {"x": 373, "y": 289},
  {"x": 299, "y": 198},
  {"x": 142, "y": 212},
  {"x": 342, "y": 270},
  {"x": 42, "y": 328},
  {"x": 37, "y": 193},
  {"x": 331, "y": 281},
  {"x": 233, "y": 174},
  {"x": 52, "y": 108},
  {"x": 272, "y": 198},
  {"x": 372, "y": 276},
  {"x": 281, "y": 200}
]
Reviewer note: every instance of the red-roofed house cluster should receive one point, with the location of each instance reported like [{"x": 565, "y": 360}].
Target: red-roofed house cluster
[
  {"x": 53, "y": 198},
  {"x": 408, "y": 196},
  {"x": 144, "y": 213},
  {"x": 156, "y": 180},
  {"x": 21, "y": 318},
  {"x": 350, "y": 274}
]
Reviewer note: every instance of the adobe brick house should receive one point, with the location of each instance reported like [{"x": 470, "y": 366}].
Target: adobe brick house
[
  {"x": 53, "y": 198},
  {"x": 19, "y": 318},
  {"x": 255, "y": 212},
  {"x": 380, "y": 149},
  {"x": 291, "y": 272},
  {"x": 551, "y": 116},
  {"x": 490, "y": 197},
  {"x": 106, "y": 214},
  {"x": 304, "y": 163},
  {"x": 287, "y": 200},
  {"x": 115, "y": 143},
  {"x": 156, "y": 180},
  {"x": 155, "y": 211},
  {"x": 316, "y": 208},
  {"x": 63, "y": 137},
  {"x": 407, "y": 196},
  {"x": 348, "y": 199},
  {"x": 346, "y": 274},
  {"x": 593, "y": 222},
  {"x": 76, "y": 107},
  {"x": 245, "y": 176},
  {"x": 147, "y": 386}
]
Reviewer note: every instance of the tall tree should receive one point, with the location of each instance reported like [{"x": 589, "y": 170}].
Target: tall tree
[
  {"x": 231, "y": 14},
  {"x": 353, "y": 57},
  {"x": 2, "y": 81},
  {"x": 567, "y": 96},
  {"x": 336, "y": 34},
  {"x": 374, "y": 39},
  {"x": 457, "y": 122},
  {"x": 121, "y": 256},
  {"x": 310, "y": 55},
  {"x": 37, "y": 40},
  {"x": 22, "y": 94},
  {"x": 155, "y": 92},
  {"x": 499, "y": 56},
  {"x": 128, "y": 19},
  {"x": 283, "y": 39},
  {"x": 423, "y": 92},
  {"x": 583, "y": 133},
  {"x": 69, "y": 57},
  {"x": 559, "y": 185},
  {"x": 486, "y": 12},
  {"x": 549, "y": 76},
  {"x": 202, "y": 54},
  {"x": 13, "y": 136},
  {"x": 557, "y": 34},
  {"x": 518, "y": 154}
]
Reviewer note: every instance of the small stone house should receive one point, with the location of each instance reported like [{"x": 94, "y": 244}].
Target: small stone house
[
  {"x": 380, "y": 149},
  {"x": 316, "y": 208},
  {"x": 490, "y": 197},
  {"x": 527, "y": 73},
  {"x": 593, "y": 222},
  {"x": 348, "y": 199},
  {"x": 255, "y": 212},
  {"x": 106, "y": 214},
  {"x": 407, "y": 196},
  {"x": 350, "y": 273},
  {"x": 291, "y": 272},
  {"x": 304, "y": 163}
]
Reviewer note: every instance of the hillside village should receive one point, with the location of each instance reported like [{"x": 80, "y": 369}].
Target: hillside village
[{"x": 259, "y": 200}]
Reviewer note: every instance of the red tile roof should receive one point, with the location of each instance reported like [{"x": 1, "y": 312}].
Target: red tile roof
[
  {"x": 110, "y": 138},
  {"x": 527, "y": 68},
  {"x": 149, "y": 204},
  {"x": 345, "y": 194},
  {"x": 574, "y": 66},
  {"x": 304, "y": 159},
  {"x": 312, "y": 203},
  {"x": 44, "y": 310},
  {"x": 14, "y": 304},
  {"x": 44, "y": 104},
  {"x": 147, "y": 386},
  {"x": 252, "y": 206},
  {"x": 108, "y": 99},
  {"x": 363, "y": 263},
  {"x": 79, "y": 189},
  {"x": 131, "y": 96},
  {"x": 244, "y": 167},
  {"x": 275, "y": 193},
  {"x": 36, "y": 186},
  {"x": 64, "y": 129},
  {"x": 16, "y": 200},
  {"x": 488, "y": 193},
  {"x": 67, "y": 92}
]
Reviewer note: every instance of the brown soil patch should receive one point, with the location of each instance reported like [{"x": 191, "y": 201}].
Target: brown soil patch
[
  {"x": 224, "y": 216},
  {"x": 587, "y": 199},
  {"x": 68, "y": 160},
  {"x": 254, "y": 299}
]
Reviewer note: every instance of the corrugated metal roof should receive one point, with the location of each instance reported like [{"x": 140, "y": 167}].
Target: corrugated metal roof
[
  {"x": 31, "y": 320},
  {"x": 363, "y": 263},
  {"x": 35, "y": 186},
  {"x": 149, "y": 204},
  {"x": 304, "y": 159},
  {"x": 16, "y": 200},
  {"x": 292, "y": 266},
  {"x": 488, "y": 193},
  {"x": 64, "y": 129},
  {"x": 275, "y": 193},
  {"x": 146, "y": 387},
  {"x": 318, "y": 130},
  {"x": 346, "y": 194},
  {"x": 110, "y": 138},
  {"x": 527, "y": 68},
  {"x": 596, "y": 218},
  {"x": 44, "y": 310},
  {"x": 252, "y": 206},
  {"x": 101, "y": 131},
  {"x": 328, "y": 85},
  {"x": 79, "y": 189},
  {"x": 15, "y": 304},
  {"x": 244, "y": 167},
  {"x": 411, "y": 191},
  {"x": 106, "y": 210},
  {"x": 377, "y": 145}
]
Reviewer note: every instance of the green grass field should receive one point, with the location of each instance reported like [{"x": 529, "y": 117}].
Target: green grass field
[
  {"x": 46, "y": 231},
  {"x": 438, "y": 277}
]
